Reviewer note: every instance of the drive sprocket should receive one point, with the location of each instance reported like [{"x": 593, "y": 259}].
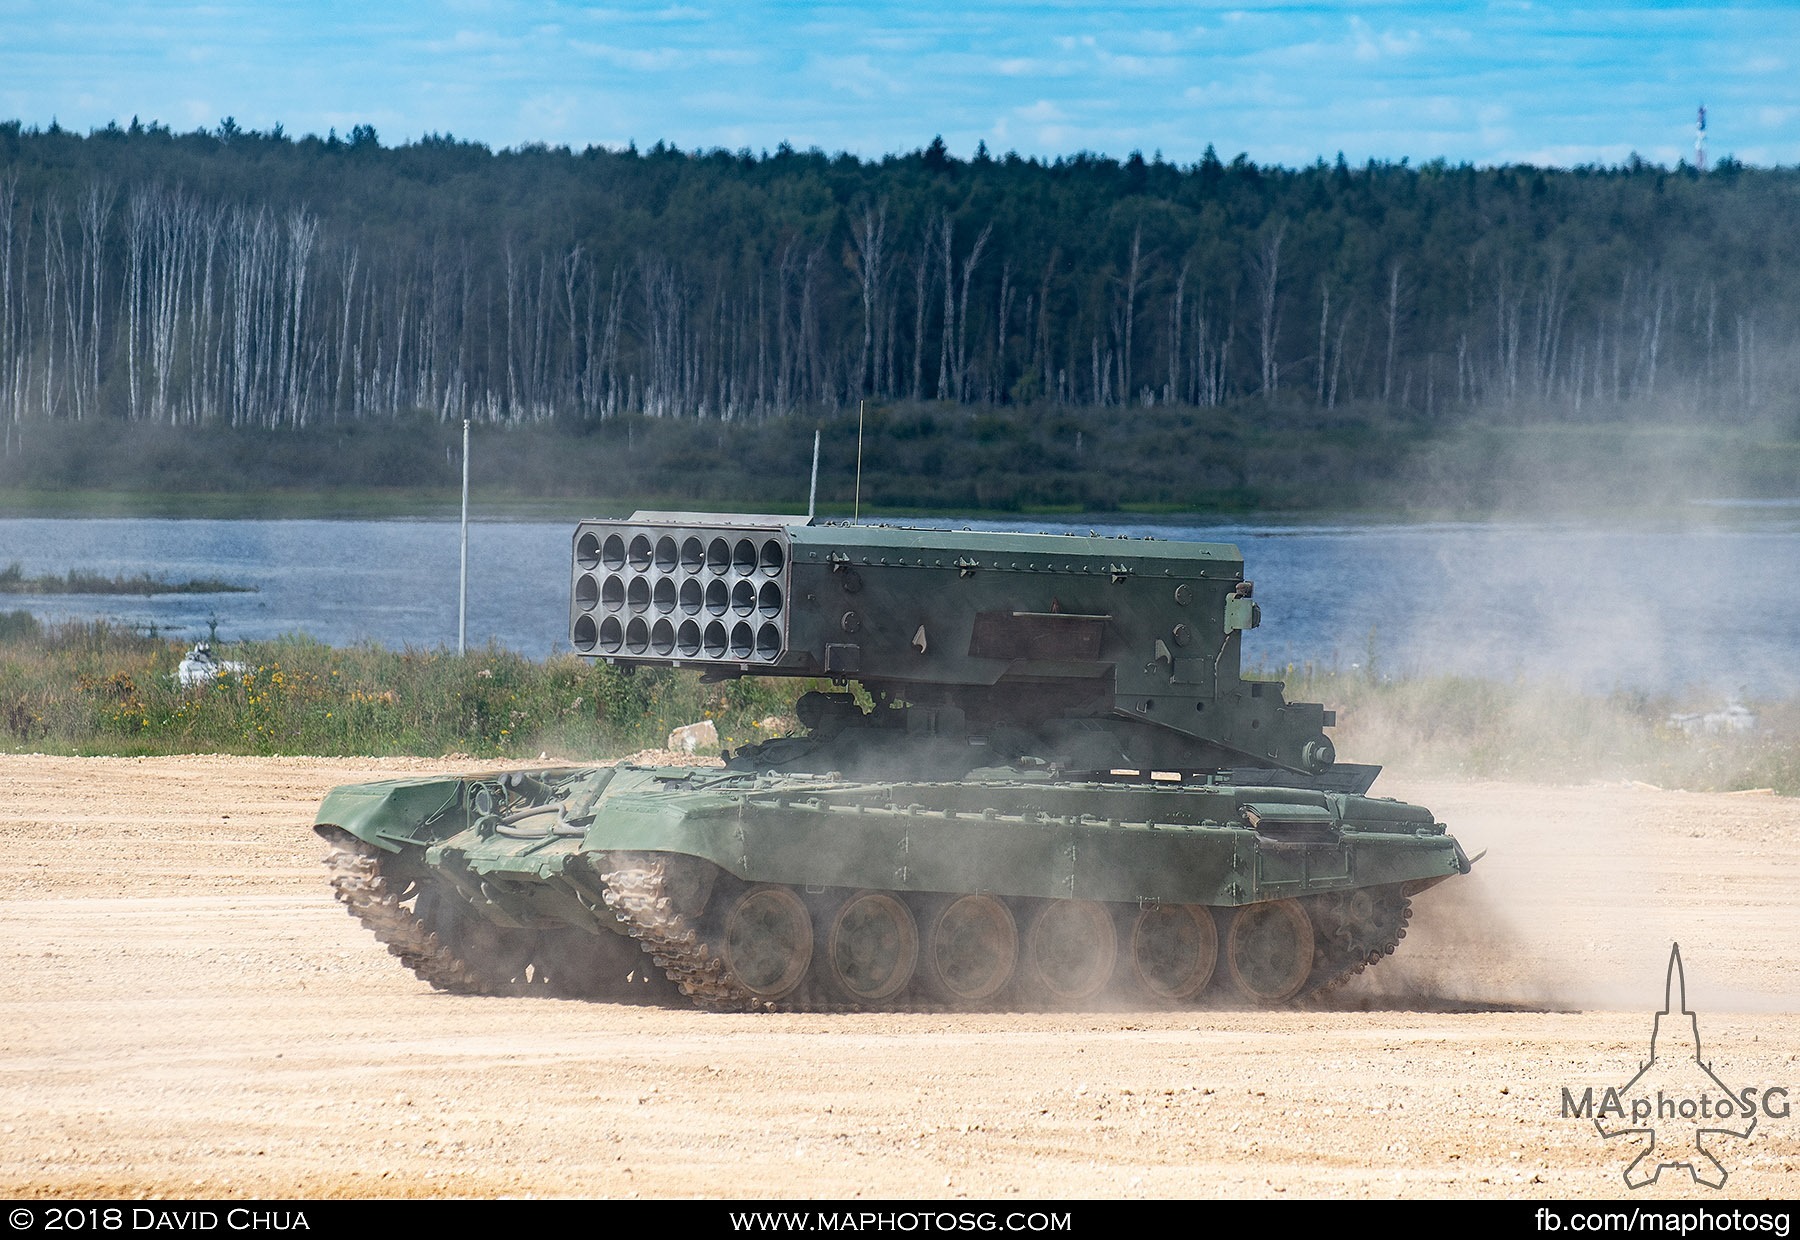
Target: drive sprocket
[{"x": 1353, "y": 930}]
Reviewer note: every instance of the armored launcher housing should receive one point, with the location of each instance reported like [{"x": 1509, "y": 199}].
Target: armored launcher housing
[{"x": 1032, "y": 773}]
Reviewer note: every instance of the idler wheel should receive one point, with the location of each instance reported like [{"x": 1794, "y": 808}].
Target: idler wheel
[
  {"x": 872, "y": 946},
  {"x": 1174, "y": 950},
  {"x": 768, "y": 941},
  {"x": 1071, "y": 949},
  {"x": 971, "y": 946},
  {"x": 1269, "y": 950}
]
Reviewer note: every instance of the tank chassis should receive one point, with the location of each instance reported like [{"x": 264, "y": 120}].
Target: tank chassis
[{"x": 1038, "y": 777}]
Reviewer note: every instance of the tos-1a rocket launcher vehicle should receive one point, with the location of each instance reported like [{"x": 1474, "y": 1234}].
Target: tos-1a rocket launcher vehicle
[{"x": 1033, "y": 775}]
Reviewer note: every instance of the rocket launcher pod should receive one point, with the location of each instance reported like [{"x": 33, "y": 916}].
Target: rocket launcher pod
[{"x": 1090, "y": 653}]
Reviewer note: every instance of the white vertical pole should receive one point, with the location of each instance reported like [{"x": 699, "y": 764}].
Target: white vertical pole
[
  {"x": 856, "y": 512},
  {"x": 812, "y": 496},
  {"x": 462, "y": 593}
]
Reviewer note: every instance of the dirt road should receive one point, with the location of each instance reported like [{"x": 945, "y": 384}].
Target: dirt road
[{"x": 184, "y": 1011}]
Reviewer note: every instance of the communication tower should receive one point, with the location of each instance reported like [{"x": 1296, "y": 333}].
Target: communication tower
[{"x": 1700, "y": 140}]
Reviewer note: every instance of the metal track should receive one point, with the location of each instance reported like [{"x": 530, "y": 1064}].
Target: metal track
[
  {"x": 1352, "y": 935},
  {"x": 357, "y": 880},
  {"x": 1358, "y": 934},
  {"x": 637, "y": 891}
]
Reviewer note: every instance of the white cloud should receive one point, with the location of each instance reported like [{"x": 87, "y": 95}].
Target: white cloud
[
  {"x": 1135, "y": 66},
  {"x": 856, "y": 75},
  {"x": 472, "y": 41},
  {"x": 902, "y": 43},
  {"x": 1261, "y": 90},
  {"x": 641, "y": 59},
  {"x": 1368, "y": 45},
  {"x": 1443, "y": 110},
  {"x": 1406, "y": 44},
  {"x": 1159, "y": 42}
]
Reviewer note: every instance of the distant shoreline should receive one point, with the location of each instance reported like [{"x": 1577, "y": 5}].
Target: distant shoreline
[
  {"x": 1238, "y": 464},
  {"x": 432, "y": 504},
  {"x": 77, "y": 581}
]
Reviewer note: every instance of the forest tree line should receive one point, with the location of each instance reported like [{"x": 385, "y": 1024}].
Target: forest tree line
[{"x": 237, "y": 278}]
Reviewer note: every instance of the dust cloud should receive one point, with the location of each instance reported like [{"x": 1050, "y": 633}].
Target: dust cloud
[
  {"x": 1463, "y": 952},
  {"x": 1613, "y": 556},
  {"x": 1581, "y": 892},
  {"x": 1608, "y": 594}
]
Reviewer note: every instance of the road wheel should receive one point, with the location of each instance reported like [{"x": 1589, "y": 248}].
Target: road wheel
[
  {"x": 1269, "y": 950},
  {"x": 872, "y": 946},
  {"x": 1174, "y": 950},
  {"x": 1071, "y": 949},
  {"x": 971, "y": 946},
  {"x": 768, "y": 941}
]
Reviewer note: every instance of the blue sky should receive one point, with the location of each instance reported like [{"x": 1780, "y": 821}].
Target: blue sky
[{"x": 1285, "y": 82}]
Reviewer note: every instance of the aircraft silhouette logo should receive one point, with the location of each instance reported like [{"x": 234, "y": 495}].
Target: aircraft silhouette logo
[{"x": 1676, "y": 1088}]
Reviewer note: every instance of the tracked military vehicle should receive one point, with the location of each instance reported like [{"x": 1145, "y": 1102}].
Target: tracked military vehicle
[{"x": 1031, "y": 774}]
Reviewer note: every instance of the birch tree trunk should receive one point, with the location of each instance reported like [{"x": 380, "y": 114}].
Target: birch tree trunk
[
  {"x": 959, "y": 381},
  {"x": 869, "y": 235},
  {"x": 1265, "y": 271}
]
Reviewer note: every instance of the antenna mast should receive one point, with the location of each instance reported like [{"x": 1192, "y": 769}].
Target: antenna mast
[
  {"x": 1700, "y": 140},
  {"x": 812, "y": 495}
]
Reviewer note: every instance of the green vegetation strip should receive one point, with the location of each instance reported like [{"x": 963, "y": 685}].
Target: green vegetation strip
[
  {"x": 81, "y": 688},
  {"x": 14, "y": 581},
  {"x": 93, "y": 688}
]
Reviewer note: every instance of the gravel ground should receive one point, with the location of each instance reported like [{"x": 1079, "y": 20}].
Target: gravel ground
[{"x": 186, "y": 1012}]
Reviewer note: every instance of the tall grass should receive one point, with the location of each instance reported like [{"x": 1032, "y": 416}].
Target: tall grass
[{"x": 97, "y": 689}]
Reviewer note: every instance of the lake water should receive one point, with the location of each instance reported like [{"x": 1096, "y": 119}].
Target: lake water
[{"x": 1710, "y": 602}]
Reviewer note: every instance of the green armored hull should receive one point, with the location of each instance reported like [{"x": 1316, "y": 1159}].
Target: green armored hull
[
  {"x": 1056, "y": 790},
  {"x": 750, "y": 890}
]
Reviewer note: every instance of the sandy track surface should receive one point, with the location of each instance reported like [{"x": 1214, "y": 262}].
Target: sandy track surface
[{"x": 185, "y": 1011}]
